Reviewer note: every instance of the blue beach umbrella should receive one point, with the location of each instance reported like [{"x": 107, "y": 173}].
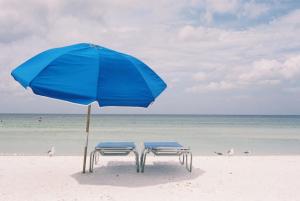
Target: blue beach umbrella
[{"x": 85, "y": 73}]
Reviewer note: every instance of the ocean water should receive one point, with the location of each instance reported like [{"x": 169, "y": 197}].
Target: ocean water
[{"x": 205, "y": 134}]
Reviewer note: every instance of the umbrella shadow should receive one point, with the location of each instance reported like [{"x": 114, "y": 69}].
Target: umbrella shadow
[{"x": 124, "y": 174}]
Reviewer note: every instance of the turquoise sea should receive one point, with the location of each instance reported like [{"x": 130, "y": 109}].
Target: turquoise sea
[{"x": 205, "y": 134}]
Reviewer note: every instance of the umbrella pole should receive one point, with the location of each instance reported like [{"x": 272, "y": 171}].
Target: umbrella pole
[{"x": 87, "y": 136}]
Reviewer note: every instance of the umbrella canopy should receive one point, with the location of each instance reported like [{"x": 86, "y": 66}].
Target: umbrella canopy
[{"x": 85, "y": 73}]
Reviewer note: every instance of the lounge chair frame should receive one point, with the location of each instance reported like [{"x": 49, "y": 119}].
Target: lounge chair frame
[
  {"x": 183, "y": 153},
  {"x": 112, "y": 151}
]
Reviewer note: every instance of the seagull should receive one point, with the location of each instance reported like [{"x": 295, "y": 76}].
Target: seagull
[
  {"x": 247, "y": 152},
  {"x": 51, "y": 152},
  {"x": 218, "y": 153},
  {"x": 230, "y": 152},
  {"x": 40, "y": 119}
]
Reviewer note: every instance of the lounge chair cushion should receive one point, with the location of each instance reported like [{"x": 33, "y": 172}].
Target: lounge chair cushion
[
  {"x": 154, "y": 145},
  {"x": 115, "y": 145}
]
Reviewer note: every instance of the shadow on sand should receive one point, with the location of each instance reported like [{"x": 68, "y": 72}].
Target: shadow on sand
[{"x": 124, "y": 174}]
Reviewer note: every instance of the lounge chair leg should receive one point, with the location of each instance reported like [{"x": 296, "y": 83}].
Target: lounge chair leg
[
  {"x": 189, "y": 166},
  {"x": 91, "y": 161},
  {"x": 96, "y": 157},
  {"x": 90, "y": 169},
  {"x": 183, "y": 159},
  {"x": 143, "y": 160},
  {"x": 137, "y": 160}
]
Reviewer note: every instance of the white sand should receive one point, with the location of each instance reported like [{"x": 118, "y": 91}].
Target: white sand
[{"x": 260, "y": 178}]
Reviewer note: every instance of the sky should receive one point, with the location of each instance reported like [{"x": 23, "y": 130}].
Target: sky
[{"x": 217, "y": 56}]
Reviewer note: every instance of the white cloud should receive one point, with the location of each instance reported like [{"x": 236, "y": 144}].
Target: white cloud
[
  {"x": 262, "y": 73},
  {"x": 291, "y": 67},
  {"x": 190, "y": 56},
  {"x": 200, "y": 76},
  {"x": 238, "y": 8},
  {"x": 292, "y": 89},
  {"x": 272, "y": 71},
  {"x": 253, "y": 10},
  {"x": 211, "y": 87},
  {"x": 208, "y": 17},
  {"x": 263, "y": 69},
  {"x": 251, "y": 58},
  {"x": 224, "y": 6}
]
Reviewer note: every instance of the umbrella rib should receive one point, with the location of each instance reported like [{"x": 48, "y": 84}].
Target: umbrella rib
[
  {"x": 98, "y": 80},
  {"x": 137, "y": 69}
]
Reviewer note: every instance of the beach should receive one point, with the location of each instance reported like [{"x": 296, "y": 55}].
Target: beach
[
  {"x": 269, "y": 171},
  {"x": 213, "y": 178}
]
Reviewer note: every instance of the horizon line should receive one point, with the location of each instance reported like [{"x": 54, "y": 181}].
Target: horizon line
[{"x": 5, "y": 113}]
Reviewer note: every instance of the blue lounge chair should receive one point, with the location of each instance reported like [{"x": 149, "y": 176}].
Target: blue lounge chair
[
  {"x": 167, "y": 149},
  {"x": 113, "y": 149}
]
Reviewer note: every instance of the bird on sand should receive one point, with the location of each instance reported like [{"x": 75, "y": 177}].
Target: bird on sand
[
  {"x": 218, "y": 153},
  {"x": 247, "y": 152},
  {"x": 51, "y": 152},
  {"x": 230, "y": 152}
]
